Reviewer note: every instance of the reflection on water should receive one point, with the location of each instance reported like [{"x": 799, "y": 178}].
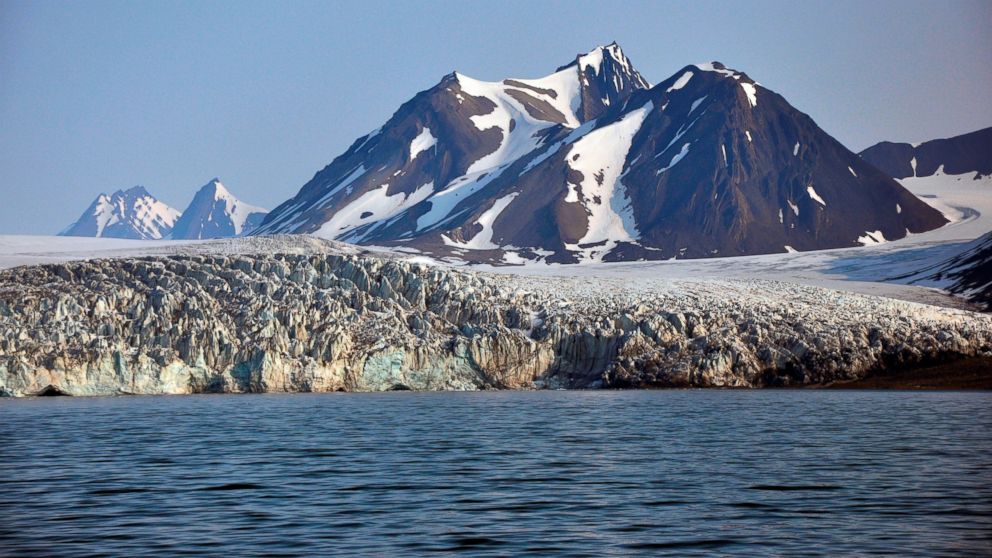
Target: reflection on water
[{"x": 575, "y": 473}]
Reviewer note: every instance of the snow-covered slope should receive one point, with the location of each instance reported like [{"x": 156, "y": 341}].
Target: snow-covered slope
[
  {"x": 131, "y": 213},
  {"x": 591, "y": 164},
  {"x": 427, "y": 166},
  {"x": 216, "y": 213}
]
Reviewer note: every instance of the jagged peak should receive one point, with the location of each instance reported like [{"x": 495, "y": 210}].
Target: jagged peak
[
  {"x": 132, "y": 192},
  {"x": 594, "y": 58},
  {"x": 719, "y": 68},
  {"x": 216, "y": 188}
]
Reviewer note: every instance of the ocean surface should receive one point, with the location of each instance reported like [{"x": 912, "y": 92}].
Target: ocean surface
[{"x": 683, "y": 473}]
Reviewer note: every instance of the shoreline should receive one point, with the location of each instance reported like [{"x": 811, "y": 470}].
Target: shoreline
[{"x": 968, "y": 374}]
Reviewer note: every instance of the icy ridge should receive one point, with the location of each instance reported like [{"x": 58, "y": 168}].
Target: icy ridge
[{"x": 306, "y": 315}]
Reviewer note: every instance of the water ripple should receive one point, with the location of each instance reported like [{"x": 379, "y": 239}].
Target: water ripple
[{"x": 679, "y": 473}]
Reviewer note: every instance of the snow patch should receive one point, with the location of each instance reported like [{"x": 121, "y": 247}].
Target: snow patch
[
  {"x": 709, "y": 67},
  {"x": 483, "y": 240},
  {"x": 592, "y": 60},
  {"x": 568, "y": 93},
  {"x": 816, "y": 197},
  {"x": 424, "y": 141},
  {"x": 752, "y": 93},
  {"x": 872, "y": 237},
  {"x": 680, "y": 83},
  {"x": 696, "y": 103},
  {"x": 795, "y": 208},
  {"x": 377, "y": 202},
  {"x": 678, "y": 157},
  {"x": 600, "y": 156},
  {"x": 353, "y": 176}
]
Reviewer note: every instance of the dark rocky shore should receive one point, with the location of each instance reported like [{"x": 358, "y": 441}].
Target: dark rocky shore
[{"x": 968, "y": 373}]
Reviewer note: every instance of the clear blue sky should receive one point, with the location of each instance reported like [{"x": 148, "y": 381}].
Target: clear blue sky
[{"x": 96, "y": 96}]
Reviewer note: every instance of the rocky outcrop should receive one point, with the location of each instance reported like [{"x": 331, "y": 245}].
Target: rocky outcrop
[
  {"x": 964, "y": 154},
  {"x": 967, "y": 274},
  {"x": 334, "y": 319}
]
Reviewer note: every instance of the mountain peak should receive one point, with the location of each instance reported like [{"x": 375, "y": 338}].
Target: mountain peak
[
  {"x": 216, "y": 189},
  {"x": 595, "y": 57},
  {"x": 132, "y": 192},
  {"x": 584, "y": 165},
  {"x": 131, "y": 213},
  {"x": 722, "y": 69},
  {"x": 216, "y": 213}
]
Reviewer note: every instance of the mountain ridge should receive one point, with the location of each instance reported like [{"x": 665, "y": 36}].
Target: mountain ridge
[
  {"x": 961, "y": 154},
  {"x": 132, "y": 213},
  {"x": 583, "y": 165}
]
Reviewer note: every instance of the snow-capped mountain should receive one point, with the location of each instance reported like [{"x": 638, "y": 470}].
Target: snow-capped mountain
[
  {"x": 216, "y": 213},
  {"x": 131, "y": 213},
  {"x": 965, "y": 154},
  {"x": 944, "y": 165},
  {"x": 939, "y": 165},
  {"x": 592, "y": 164}
]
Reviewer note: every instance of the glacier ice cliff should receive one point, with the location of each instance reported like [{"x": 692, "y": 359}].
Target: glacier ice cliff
[{"x": 320, "y": 317}]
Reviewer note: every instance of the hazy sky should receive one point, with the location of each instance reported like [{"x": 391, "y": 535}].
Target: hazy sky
[{"x": 97, "y": 96}]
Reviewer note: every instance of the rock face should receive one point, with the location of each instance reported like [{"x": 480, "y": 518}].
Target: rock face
[
  {"x": 131, "y": 213},
  {"x": 272, "y": 319},
  {"x": 965, "y": 154},
  {"x": 592, "y": 164},
  {"x": 969, "y": 274},
  {"x": 216, "y": 213}
]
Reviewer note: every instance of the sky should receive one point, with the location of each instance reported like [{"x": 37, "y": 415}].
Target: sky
[{"x": 99, "y": 96}]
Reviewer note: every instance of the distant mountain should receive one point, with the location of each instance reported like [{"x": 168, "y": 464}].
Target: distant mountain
[
  {"x": 965, "y": 154},
  {"x": 216, "y": 213},
  {"x": 131, "y": 213},
  {"x": 941, "y": 165},
  {"x": 592, "y": 164}
]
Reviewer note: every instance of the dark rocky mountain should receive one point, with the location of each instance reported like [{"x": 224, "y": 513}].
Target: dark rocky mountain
[
  {"x": 216, "y": 213},
  {"x": 589, "y": 164},
  {"x": 969, "y": 273},
  {"x": 131, "y": 213},
  {"x": 967, "y": 153}
]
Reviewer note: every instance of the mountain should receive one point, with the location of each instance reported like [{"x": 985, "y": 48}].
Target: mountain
[
  {"x": 964, "y": 154},
  {"x": 969, "y": 273},
  {"x": 960, "y": 164},
  {"x": 592, "y": 164},
  {"x": 131, "y": 213},
  {"x": 216, "y": 213}
]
